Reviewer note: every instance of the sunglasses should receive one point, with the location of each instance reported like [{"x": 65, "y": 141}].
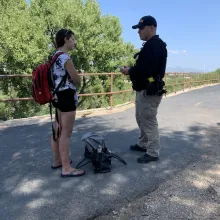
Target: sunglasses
[{"x": 66, "y": 33}]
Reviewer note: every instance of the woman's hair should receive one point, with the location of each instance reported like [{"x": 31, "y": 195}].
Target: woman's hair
[{"x": 60, "y": 36}]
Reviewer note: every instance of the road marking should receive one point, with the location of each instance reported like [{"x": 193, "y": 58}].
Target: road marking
[{"x": 198, "y": 103}]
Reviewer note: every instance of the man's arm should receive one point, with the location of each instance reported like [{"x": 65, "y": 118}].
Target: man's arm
[{"x": 148, "y": 63}]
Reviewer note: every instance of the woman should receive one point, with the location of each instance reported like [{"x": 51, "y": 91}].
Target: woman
[{"x": 65, "y": 102}]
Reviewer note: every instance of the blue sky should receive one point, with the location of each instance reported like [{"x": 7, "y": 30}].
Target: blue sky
[{"x": 191, "y": 28}]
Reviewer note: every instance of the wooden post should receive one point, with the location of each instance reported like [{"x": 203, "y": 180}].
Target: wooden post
[
  {"x": 175, "y": 84},
  {"x": 166, "y": 81},
  {"x": 111, "y": 95},
  {"x": 196, "y": 81},
  {"x": 190, "y": 80},
  {"x": 183, "y": 81}
]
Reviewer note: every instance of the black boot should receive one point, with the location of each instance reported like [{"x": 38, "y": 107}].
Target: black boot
[
  {"x": 147, "y": 159},
  {"x": 137, "y": 148}
]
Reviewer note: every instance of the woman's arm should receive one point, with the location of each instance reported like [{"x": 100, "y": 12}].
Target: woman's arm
[{"x": 72, "y": 72}]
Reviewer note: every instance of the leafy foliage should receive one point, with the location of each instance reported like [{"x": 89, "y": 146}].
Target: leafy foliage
[{"x": 27, "y": 36}]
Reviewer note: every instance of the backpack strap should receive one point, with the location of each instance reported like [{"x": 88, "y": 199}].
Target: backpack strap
[
  {"x": 78, "y": 165},
  {"x": 61, "y": 82},
  {"x": 51, "y": 117},
  {"x": 118, "y": 158},
  {"x": 64, "y": 77},
  {"x": 52, "y": 61}
]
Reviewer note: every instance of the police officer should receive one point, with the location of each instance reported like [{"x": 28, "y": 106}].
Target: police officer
[{"x": 147, "y": 80}]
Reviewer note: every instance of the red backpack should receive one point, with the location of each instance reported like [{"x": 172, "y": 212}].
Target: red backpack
[{"x": 42, "y": 86}]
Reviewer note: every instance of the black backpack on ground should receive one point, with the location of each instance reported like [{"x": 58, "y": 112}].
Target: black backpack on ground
[{"x": 97, "y": 153}]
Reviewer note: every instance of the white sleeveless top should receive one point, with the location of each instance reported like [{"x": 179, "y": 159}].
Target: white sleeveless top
[{"x": 58, "y": 71}]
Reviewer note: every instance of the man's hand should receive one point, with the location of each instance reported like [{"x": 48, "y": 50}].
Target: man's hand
[{"x": 124, "y": 70}]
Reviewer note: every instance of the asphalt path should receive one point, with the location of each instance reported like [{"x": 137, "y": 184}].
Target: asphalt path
[{"x": 31, "y": 190}]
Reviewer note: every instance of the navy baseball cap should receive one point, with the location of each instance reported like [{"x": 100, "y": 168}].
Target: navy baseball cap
[{"x": 146, "y": 21}]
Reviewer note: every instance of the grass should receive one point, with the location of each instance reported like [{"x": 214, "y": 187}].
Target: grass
[
  {"x": 179, "y": 82},
  {"x": 124, "y": 97},
  {"x": 174, "y": 83}
]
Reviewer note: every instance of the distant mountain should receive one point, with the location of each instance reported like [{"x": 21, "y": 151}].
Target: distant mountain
[{"x": 179, "y": 69}]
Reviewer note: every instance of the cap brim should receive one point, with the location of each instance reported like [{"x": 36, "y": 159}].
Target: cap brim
[{"x": 137, "y": 26}]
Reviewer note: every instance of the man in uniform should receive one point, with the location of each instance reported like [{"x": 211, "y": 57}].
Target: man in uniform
[{"x": 146, "y": 76}]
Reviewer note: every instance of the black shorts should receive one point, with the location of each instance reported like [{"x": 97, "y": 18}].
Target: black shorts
[{"x": 65, "y": 101}]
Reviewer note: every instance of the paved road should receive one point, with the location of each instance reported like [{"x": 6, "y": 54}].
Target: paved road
[{"x": 31, "y": 190}]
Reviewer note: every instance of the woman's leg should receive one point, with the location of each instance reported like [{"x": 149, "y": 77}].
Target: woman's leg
[
  {"x": 67, "y": 121},
  {"x": 55, "y": 144}
]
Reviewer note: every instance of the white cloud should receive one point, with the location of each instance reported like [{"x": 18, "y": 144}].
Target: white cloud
[{"x": 177, "y": 51}]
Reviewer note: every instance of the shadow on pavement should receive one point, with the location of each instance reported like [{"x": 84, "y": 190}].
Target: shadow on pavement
[{"x": 31, "y": 188}]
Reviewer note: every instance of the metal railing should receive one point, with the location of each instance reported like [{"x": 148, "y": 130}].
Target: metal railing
[
  {"x": 182, "y": 81},
  {"x": 174, "y": 82},
  {"x": 111, "y": 93}
]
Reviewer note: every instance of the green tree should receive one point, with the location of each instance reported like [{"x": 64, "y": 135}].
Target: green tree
[
  {"x": 100, "y": 47},
  {"x": 22, "y": 47},
  {"x": 27, "y": 36}
]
